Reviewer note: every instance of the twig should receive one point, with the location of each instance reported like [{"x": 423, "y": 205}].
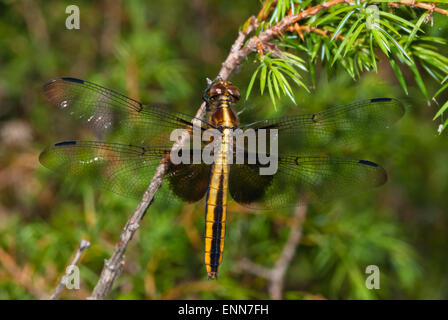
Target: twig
[
  {"x": 431, "y": 7},
  {"x": 84, "y": 245},
  {"x": 276, "y": 274},
  {"x": 325, "y": 33},
  {"x": 236, "y": 54},
  {"x": 289, "y": 250},
  {"x": 113, "y": 267}
]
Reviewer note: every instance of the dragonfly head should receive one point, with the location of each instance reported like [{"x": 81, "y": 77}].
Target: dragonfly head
[{"x": 223, "y": 88}]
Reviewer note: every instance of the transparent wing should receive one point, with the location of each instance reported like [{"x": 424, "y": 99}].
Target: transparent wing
[
  {"x": 106, "y": 110},
  {"x": 340, "y": 125},
  {"x": 314, "y": 178},
  {"x": 126, "y": 169}
]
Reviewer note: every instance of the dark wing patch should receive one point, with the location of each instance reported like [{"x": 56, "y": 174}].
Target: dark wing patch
[
  {"x": 189, "y": 181},
  {"x": 246, "y": 183}
]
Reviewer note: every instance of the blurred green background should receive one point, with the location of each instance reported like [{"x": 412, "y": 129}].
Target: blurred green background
[{"x": 162, "y": 51}]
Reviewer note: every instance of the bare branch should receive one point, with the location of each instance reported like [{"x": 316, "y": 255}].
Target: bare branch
[
  {"x": 298, "y": 29},
  {"x": 260, "y": 271},
  {"x": 114, "y": 266},
  {"x": 431, "y": 7},
  {"x": 84, "y": 245},
  {"x": 236, "y": 54},
  {"x": 279, "y": 271},
  {"x": 276, "y": 274}
]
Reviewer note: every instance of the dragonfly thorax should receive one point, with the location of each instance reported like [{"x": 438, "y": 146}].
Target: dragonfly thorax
[{"x": 223, "y": 117}]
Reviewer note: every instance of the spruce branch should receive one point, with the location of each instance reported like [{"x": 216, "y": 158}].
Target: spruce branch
[{"x": 340, "y": 34}]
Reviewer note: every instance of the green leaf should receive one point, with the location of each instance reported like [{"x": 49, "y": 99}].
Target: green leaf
[
  {"x": 315, "y": 50},
  {"x": 346, "y": 39},
  {"x": 341, "y": 24},
  {"x": 397, "y": 45},
  {"x": 275, "y": 81},
  {"x": 296, "y": 80},
  {"x": 432, "y": 53},
  {"x": 445, "y": 124},
  {"x": 433, "y": 62},
  {"x": 434, "y": 39},
  {"x": 397, "y": 19},
  {"x": 268, "y": 6},
  {"x": 419, "y": 80},
  {"x": 354, "y": 37},
  {"x": 252, "y": 80},
  {"x": 334, "y": 14},
  {"x": 432, "y": 72},
  {"x": 271, "y": 92},
  {"x": 399, "y": 74},
  {"x": 263, "y": 78},
  {"x": 381, "y": 41},
  {"x": 444, "y": 79},
  {"x": 286, "y": 87},
  {"x": 416, "y": 28},
  {"x": 295, "y": 60},
  {"x": 289, "y": 64},
  {"x": 327, "y": 49},
  {"x": 441, "y": 110},
  {"x": 389, "y": 26},
  {"x": 441, "y": 90},
  {"x": 372, "y": 53}
]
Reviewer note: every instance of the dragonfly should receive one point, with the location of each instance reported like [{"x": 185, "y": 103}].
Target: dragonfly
[{"x": 142, "y": 133}]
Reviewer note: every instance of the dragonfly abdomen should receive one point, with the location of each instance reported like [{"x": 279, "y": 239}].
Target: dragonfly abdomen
[
  {"x": 216, "y": 211},
  {"x": 215, "y": 218}
]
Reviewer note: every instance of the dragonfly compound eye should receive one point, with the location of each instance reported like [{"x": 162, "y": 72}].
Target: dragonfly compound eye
[
  {"x": 234, "y": 92},
  {"x": 224, "y": 88}
]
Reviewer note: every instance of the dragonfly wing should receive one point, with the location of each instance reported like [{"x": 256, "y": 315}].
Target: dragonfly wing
[
  {"x": 126, "y": 169},
  {"x": 336, "y": 126},
  {"x": 314, "y": 178},
  {"x": 109, "y": 111}
]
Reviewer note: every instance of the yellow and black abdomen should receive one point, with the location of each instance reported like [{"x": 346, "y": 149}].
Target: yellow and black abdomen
[
  {"x": 215, "y": 220},
  {"x": 216, "y": 210}
]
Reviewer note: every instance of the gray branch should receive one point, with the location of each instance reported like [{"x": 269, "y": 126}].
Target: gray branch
[
  {"x": 276, "y": 274},
  {"x": 84, "y": 245}
]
